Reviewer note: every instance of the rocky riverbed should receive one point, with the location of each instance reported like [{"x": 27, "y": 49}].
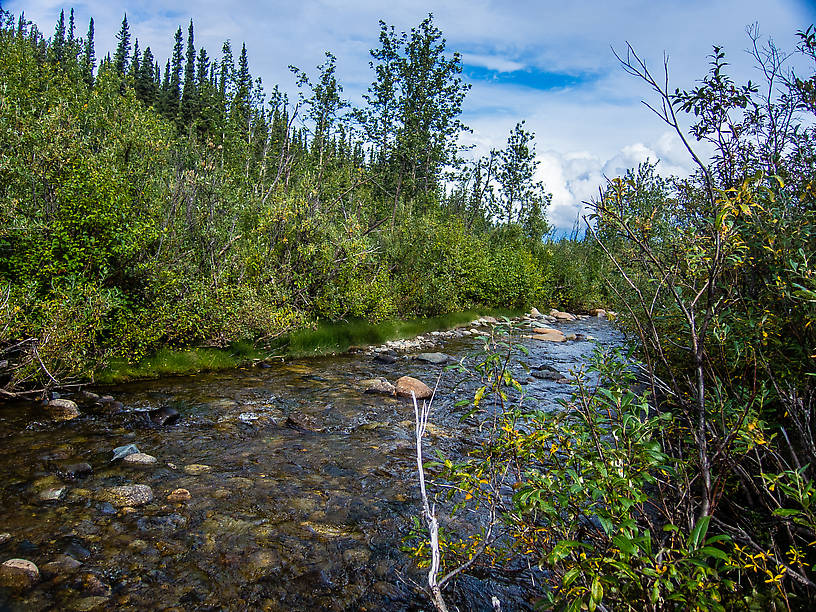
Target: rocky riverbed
[{"x": 282, "y": 487}]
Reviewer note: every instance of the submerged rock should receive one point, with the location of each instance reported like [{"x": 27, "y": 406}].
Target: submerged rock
[
  {"x": 128, "y": 495},
  {"x": 196, "y": 469},
  {"x": 62, "y": 409},
  {"x": 378, "y": 386},
  {"x": 19, "y": 574},
  {"x": 178, "y": 496},
  {"x": 434, "y": 358},
  {"x": 407, "y": 384},
  {"x": 386, "y": 358},
  {"x": 76, "y": 470},
  {"x": 164, "y": 415}
]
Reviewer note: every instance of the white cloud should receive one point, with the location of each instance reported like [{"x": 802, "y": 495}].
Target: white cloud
[{"x": 491, "y": 62}]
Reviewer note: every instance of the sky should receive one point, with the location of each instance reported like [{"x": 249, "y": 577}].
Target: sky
[{"x": 548, "y": 63}]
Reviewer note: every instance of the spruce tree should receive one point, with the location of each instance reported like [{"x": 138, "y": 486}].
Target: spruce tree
[
  {"x": 174, "y": 94},
  {"x": 58, "y": 42},
  {"x": 89, "y": 55},
  {"x": 188, "y": 96},
  {"x": 120, "y": 58},
  {"x": 135, "y": 62}
]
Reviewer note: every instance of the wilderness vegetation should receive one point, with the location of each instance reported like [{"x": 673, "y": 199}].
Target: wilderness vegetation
[
  {"x": 144, "y": 207},
  {"x": 679, "y": 476}
]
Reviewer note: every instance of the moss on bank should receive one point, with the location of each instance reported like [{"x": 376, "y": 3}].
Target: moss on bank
[{"x": 323, "y": 339}]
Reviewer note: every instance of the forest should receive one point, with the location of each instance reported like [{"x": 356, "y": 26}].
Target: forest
[{"x": 145, "y": 206}]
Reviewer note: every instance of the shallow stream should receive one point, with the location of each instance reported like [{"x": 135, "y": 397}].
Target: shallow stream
[{"x": 301, "y": 488}]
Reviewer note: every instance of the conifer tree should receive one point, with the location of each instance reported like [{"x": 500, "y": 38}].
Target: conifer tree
[
  {"x": 188, "y": 96},
  {"x": 135, "y": 62},
  {"x": 146, "y": 78},
  {"x": 120, "y": 58},
  {"x": 58, "y": 42},
  {"x": 89, "y": 55},
  {"x": 227, "y": 72},
  {"x": 174, "y": 92}
]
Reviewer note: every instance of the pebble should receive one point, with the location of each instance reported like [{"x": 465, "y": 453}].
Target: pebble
[
  {"x": 378, "y": 386},
  {"x": 19, "y": 574},
  {"x": 52, "y": 494},
  {"x": 76, "y": 470},
  {"x": 4, "y": 537}
]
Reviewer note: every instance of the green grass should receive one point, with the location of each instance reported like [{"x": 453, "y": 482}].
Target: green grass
[{"x": 324, "y": 339}]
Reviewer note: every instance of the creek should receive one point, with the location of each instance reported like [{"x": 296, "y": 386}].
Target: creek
[{"x": 301, "y": 487}]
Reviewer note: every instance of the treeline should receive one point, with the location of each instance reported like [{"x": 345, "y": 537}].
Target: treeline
[{"x": 144, "y": 206}]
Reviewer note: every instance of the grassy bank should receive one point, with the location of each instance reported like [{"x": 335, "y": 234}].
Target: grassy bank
[{"x": 323, "y": 339}]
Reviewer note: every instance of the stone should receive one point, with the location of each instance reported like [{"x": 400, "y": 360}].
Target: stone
[
  {"x": 303, "y": 422},
  {"x": 62, "y": 409},
  {"x": 552, "y": 335},
  {"x": 92, "y": 585},
  {"x": 86, "y": 397},
  {"x": 76, "y": 470},
  {"x": 543, "y": 330},
  {"x": 129, "y": 495},
  {"x": 90, "y": 604},
  {"x": 598, "y": 312},
  {"x": 139, "y": 459},
  {"x": 164, "y": 415},
  {"x": 4, "y": 537},
  {"x": 534, "y": 312},
  {"x": 434, "y": 358},
  {"x": 178, "y": 496},
  {"x": 52, "y": 494},
  {"x": 120, "y": 452},
  {"x": 19, "y": 574},
  {"x": 407, "y": 384},
  {"x": 196, "y": 469},
  {"x": 379, "y": 386},
  {"x": 562, "y": 316},
  {"x": 489, "y": 320},
  {"x": 385, "y": 358},
  {"x": 356, "y": 556},
  {"x": 63, "y": 564},
  {"x": 546, "y": 375}
]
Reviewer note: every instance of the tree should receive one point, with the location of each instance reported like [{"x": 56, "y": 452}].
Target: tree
[
  {"x": 189, "y": 95},
  {"x": 520, "y": 195},
  {"x": 58, "y": 42},
  {"x": 89, "y": 55},
  {"x": 174, "y": 91},
  {"x": 120, "y": 58}
]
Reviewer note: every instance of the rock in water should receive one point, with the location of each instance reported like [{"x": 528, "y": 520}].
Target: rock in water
[
  {"x": 139, "y": 459},
  {"x": 435, "y": 358},
  {"x": 164, "y": 415},
  {"x": 552, "y": 335},
  {"x": 19, "y": 574},
  {"x": 534, "y": 312},
  {"x": 196, "y": 469},
  {"x": 120, "y": 452},
  {"x": 178, "y": 496},
  {"x": 378, "y": 386},
  {"x": 62, "y": 409},
  {"x": 386, "y": 358},
  {"x": 406, "y": 384},
  {"x": 129, "y": 495}
]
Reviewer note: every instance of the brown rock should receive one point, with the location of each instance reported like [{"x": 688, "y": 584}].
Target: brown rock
[
  {"x": 19, "y": 574},
  {"x": 552, "y": 335},
  {"x": 407, "y": 384},
  {"x": 179, "y": 496},
  {"x": 62, "y": 409},
  {"x": 129, "y": 495},
  {"x": 139, "y": 459}
]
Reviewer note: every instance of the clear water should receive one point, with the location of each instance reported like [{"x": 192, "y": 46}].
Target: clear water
[{"x": 309, "y": 493}]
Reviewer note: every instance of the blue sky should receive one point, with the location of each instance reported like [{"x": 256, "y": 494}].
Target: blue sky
[{"x": 550, "y": 63}]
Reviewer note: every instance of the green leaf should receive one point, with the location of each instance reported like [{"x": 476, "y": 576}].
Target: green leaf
[{"x": 699, "y": 532}]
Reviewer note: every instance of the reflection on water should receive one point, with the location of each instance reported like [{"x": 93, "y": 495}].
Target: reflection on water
[{"x": 305, "y": 495}]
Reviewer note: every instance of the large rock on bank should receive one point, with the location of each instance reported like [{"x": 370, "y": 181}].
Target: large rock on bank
[{"x": 406, "y": 384}]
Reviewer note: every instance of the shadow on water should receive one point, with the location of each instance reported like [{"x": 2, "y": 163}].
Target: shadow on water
[{"x": 300, "y": 487}]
